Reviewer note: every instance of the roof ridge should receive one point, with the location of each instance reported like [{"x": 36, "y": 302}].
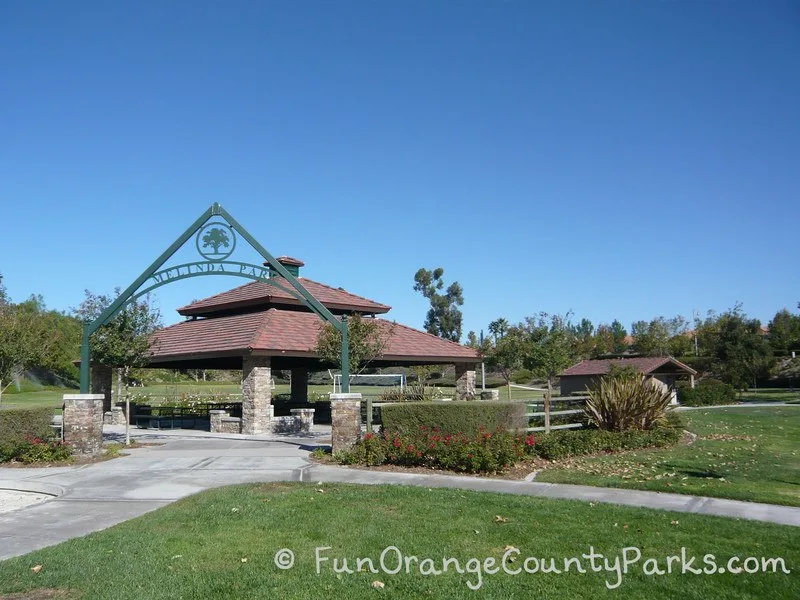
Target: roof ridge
[
  {"x": 238, "y": 287},
  {"x": 267, "y": 316},
  {"x": 330, "y": 287}
]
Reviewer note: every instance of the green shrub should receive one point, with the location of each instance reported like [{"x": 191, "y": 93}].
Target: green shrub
[
  {"x": 708, "y": 392},
  {"x": 564, "y": 443},
  {"x": 454, "y": 417},
  {"x": 17, "y": 425},
  {"x": 35, "y": 450},
  {"x": 482, "y": 452},
  {"x": 623, "y": 402},
  {"x": 522, "y": 377}
]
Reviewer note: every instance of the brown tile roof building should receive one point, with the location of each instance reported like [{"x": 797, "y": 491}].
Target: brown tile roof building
[
  {"x": 264, "y": 294},
  {"x": 644, "y": 365},
  {"x": 261, "y": 318}
]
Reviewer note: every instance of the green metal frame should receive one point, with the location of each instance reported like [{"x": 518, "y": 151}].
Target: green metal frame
[{"x": 132, "y": 291}]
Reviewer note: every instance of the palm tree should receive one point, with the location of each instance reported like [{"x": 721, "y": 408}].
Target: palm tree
[{"x": 498, "y": 328}]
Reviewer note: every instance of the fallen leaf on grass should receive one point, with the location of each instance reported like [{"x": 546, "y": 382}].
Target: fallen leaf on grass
[
  {"x": 378, "y": 585},
  {"x": 500, "y": 519},
  {"x": 37, "y": 568}
]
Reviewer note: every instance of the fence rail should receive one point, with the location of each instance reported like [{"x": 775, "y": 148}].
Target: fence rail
[{"x": 541, "y": 408}]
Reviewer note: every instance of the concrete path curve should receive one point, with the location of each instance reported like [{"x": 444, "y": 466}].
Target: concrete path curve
[{"x": 93, "y": 497}]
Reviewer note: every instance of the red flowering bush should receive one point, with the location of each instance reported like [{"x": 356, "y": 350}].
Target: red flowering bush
[
  {"x": 36, "y": 450},
  {"x": 484, "y": 452}
]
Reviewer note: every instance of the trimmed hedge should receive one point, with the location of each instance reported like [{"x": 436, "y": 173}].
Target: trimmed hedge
[
  {"x": 17, "y": 425},
  {"x": 708, "y": 392},
  {"x": 454, "y": 417},
  {"x": 563, "y": 443}
]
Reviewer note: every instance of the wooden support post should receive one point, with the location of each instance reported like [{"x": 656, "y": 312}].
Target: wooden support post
[
  {"x": 547, "y": 398},
  {"x": 369, "y": 415}
]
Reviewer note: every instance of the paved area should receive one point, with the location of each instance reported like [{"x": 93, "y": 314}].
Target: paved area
[{"x": 93, "y": 497}]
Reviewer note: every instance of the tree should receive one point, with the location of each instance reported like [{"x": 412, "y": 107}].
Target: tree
[
  {"x": 444, "y": 317},
  {"x": 216, "y": 237},
  {"x": 740, "y": 352},
  {"x": 472, "y": 340},
  {"x": 549, "y": 345},
  {"x": 125, "y": 341},
  {"x": 506, "y": 356},
  {"x": 365, "y": 342},
  {"x": 784, "y": 332},
  {"x": 661, "y": 337},
  {"x": 24, "y": 340},
  {"x": 498, "y": 328},
  {"x": 584, "y": 341}
]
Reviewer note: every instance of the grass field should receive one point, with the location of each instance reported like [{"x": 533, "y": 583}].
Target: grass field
[
  {"x": 54, "y": 396},
  {"x": 740, "y": 453},
  {"x": 222, "y": 544}
]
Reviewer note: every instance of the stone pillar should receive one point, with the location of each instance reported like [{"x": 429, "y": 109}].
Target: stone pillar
[
  {"x": 345, "y": 421},
  {"x": 465, "y": 381},
  {"x": 300, "y": 384},
  {"x": 83, "y": 422},
  {"x": 256, "y": 394},
  {"x": 102, "y": 384},
  {"x": 490, "y": 395},
  {"x": 304, "y": 418},
  {"x": 115, "y": 416},
  {"x": 215, "y": 420}
]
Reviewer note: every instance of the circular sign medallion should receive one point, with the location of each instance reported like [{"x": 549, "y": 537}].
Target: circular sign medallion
[{"x": 216, "y": 241}]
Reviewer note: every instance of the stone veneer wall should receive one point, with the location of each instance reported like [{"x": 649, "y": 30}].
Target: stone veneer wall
[
  {"x": 465, "y": 381},
  {"x": 345, "y": 421},
  {"x": 83, "y": 422},
  {"x": 256, "y": 394}
]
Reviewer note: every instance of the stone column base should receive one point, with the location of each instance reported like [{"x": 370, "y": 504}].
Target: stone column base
[
  {"x": 115, "y": 416},
  {"x": 345, "y": 421},
  {"x": 490, "y": 395},
  {"x": 83, "y": 422}
]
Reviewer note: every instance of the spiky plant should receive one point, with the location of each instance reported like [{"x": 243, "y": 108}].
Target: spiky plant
[{"x": 622, "y": 403}]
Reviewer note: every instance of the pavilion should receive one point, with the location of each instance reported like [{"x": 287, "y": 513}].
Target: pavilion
[{"x": 259, "y": 326}]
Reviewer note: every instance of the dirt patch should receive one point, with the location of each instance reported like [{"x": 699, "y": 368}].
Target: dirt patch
[{"x": 43, "y": 594}]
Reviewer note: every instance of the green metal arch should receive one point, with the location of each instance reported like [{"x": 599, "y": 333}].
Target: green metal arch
[{"x": 133, "y": 291}]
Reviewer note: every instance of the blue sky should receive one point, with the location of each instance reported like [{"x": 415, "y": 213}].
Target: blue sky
[{"x": 620, "y": 159}]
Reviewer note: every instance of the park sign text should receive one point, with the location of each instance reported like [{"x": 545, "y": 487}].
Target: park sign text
[{"x": 210, "y": 268}]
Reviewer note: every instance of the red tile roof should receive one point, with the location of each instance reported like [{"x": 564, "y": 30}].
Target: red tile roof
[
  {"x": 262, "y": 293},
  {"x": 291, "y": 333},
  {"x": 643, "y": 364}
]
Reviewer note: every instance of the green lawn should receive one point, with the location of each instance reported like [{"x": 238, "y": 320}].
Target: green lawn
[
  {"x": 222, "y": 544},
  {"x": 770, "y": 395},
  {"x": 741, "y": 453}
]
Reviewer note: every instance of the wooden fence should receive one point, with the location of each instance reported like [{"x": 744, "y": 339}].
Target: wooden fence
[{"x": 541, "y": 409}]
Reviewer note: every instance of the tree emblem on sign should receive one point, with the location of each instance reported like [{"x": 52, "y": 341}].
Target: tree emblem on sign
[
  {"x": 215, "y": 238},
  {"x": 216, "y": 241}
]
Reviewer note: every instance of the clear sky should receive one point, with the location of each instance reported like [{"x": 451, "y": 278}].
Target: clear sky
[{"x": 620, "y": 159}]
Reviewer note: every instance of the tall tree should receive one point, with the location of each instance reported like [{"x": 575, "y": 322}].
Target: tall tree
[
  {"x": 23, "y": 338},
  {"x": 549, "y": 345},
  {"x": 740, "y": 352},
  {"x": 584, "y": 340},
  {"x": 444, "y": 317},
  {"x": 784, "y": 332},
  {"x": 506, "y": 355},
  {"x": 124, "y": 341},
  {"x": 498, "y": 328}
]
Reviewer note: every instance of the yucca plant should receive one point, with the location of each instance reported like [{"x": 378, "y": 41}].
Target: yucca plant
[{"x": 622, "y": 403}]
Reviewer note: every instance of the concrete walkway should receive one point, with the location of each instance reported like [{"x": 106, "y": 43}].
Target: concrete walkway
[{"x": 93, "y": 497}]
